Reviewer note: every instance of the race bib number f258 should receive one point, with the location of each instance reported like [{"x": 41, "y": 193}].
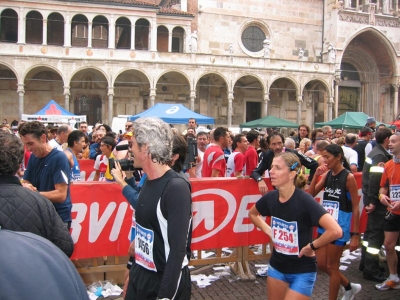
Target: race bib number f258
[
  {"x": 285, "y": 236},
  {"x": 144, "y": 241}
]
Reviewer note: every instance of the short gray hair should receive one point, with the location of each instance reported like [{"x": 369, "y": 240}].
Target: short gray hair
[{"x": 158, "y": 137}]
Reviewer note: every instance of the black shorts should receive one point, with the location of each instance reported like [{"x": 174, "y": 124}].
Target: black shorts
[
  {"x": 145, "y": 284},
  {"x": 130, "y": 262},
  {"x": 392, "y": 222}
]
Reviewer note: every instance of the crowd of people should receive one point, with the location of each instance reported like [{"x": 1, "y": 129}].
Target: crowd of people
[{"x": 39, "y": 163}]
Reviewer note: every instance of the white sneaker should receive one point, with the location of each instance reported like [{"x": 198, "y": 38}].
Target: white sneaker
[
  {"x": 388, "y": 284},
  {"x": 355, "y": 289}
]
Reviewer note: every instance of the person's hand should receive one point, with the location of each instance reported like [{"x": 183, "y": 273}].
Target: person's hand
[
  {"x": 262, "y": 186},
  {"x": 321, "y": 170},
  {"x": 353, "y": 243},
  {"x": 385, "y": 200},
  {"x": 117, "y": 173},
  {"x": 307, "y": 251},
  {"x": 395, "y": 206},
  {"x": 29, "y": 186},
  {"x": 370, "y": 208},
  {"x": 131, "y": 249}
]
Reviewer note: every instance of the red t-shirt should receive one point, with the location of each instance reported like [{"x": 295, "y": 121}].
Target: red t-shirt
[
  {"x": 250, "y": 159},
  {"x": 214, "y": 158},
  {"x": 391, "y": 175}
]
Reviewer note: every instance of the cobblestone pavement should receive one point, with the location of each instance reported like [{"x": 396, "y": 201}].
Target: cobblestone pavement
[{"x": 229, "y": 287}]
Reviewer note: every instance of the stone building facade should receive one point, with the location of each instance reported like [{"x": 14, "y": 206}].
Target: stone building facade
[{"x": 303, "y": 60}]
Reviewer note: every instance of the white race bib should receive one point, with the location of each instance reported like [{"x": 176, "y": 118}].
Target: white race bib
[
  {"x": 144, "y": 240},
  {"x": 332, "y": 207},
  {"x": 395, "y": 192},
  {"x": 285, "y": 236}
]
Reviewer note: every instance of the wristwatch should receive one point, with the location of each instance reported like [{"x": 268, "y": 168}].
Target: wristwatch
[{"x": 259, "y": 179}]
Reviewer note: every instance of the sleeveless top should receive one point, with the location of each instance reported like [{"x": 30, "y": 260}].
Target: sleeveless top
[{"x": 75, "y": 170}]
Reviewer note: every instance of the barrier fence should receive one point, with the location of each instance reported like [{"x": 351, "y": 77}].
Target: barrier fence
[{"x": 102, "y": 220}]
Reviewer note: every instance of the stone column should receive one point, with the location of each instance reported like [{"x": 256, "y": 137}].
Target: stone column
[
  {"x": 21, "y": 92},
  {"x": 192, "y": 98},
  {"x": 265, "y": 105},
  {"x": 44, "y": 32},
  {"x": 67, "y": 31},
  {"x": 330, "y": 108},
  {"x": 66, "y": 97},
  {"x": 152, "y": 97},
  {"x": 230, "y": 101},
  {"x": 299, "y": 102},
  {"x": 133, "y": 37},
  {"x": 186, "y": 40},
  {"x": 153, "y": 35},
  {"x": 110, "y": 104},
  {"x": 90, "y": 35},
  {"x": 336, "y": 85},
  {"x": 111, "y": 33},
  {"x": 170, "y": 41},
  {"x": 21, "y": 27},
  {"x": 395, "y": 100}
]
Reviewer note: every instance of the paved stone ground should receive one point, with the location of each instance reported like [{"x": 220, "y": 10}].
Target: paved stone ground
[{"x": 229, "y": 287}]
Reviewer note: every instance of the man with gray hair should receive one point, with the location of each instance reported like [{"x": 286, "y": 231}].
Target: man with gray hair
[
  {"x": 163, "y": 218},
  {"x": 61, "y": 138},
  {"x": 290, "y": 143}
]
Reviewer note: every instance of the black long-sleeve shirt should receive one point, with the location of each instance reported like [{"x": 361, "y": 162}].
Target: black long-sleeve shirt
[{"x": 266, "y": 162}]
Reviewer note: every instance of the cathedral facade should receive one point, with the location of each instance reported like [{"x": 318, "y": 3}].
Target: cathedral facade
[{"x": 305, "y": 61}]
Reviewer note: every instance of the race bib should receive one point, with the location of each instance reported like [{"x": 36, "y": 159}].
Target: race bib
[
  {"x": 144, "y": 240},
  {"x": 332, "y": 207},
  {"x": 395, "y": 192},
  {"x": 285, "y": 236}
]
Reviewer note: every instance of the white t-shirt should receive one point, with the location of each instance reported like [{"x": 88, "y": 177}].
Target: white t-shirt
[
  {"x": 351, "y": 155},
  {"x": 55, "y": 145},
  {"x": 199, "y": 166}
]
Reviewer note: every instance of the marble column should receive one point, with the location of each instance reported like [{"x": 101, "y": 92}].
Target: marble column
[
  {"x": 299, "y": 103},
  {"x": 21, "y": 92},
  {"x": 170, "y": 41},
  {"x": 153, "y": 35},
  {"x": 133, "y": 37},
  {"x": 336, "y": 81},
  {"x": 66, "y": 97},
  {"x": 192, "y": 98},
  {"x": 230, "y": 101},
  {"x": 395, "y": 101},
  {"x": 152, "y": 97},
  {"x": 330, "y": 108},
  {"x": 111, "y": 33},
  {"x": 90, "y": 26},
  {"x": 67, "y": 31},
  {"x": 265, "y": 105},
  {"x": 110, "y": 105},
  {"x": 21, "y": 27},
  {"x": 44, "y": 32}
]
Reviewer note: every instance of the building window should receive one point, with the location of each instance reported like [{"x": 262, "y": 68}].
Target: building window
[{"x": 252, "y": 38}]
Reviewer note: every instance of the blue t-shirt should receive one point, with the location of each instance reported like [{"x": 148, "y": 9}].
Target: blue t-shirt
[
  {"x": 47, "y": 171},
  {"x": 75, "y": 170}
]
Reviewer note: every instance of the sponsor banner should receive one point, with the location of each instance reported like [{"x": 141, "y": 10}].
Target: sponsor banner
[
  {"x": 87, "y": 166},
  {"x": 102, "y": 218}
]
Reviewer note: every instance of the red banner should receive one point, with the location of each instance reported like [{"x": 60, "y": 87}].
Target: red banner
[
  {"x": 102, "y": 217},
  {"x": 87, "y": 166}
]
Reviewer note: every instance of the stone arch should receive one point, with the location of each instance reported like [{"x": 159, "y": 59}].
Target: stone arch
[
  {"x": 42, "y": 83},
  {"x": 100, "y": 27},
  {"x": 162, "y": 38},
  {"x": 212, "y": 96},
  {"x": 9, "y": 80},
  {"x": 34, "y": 27},
  {"x": 248, "y": 93},
  {"x": 79, "y": 29},
  {"x": 55, "y": 29},
  {"x": 369, "y": 53},
  {"x": 131, "y": 92},
  {"x": 142, "y": 34},
  {"x": 123, "y": 28},
  {"x": 283, "y": 94},
  {"x": 173, "y": 86},
  {"x": 89, "y": 93},
  {"x": 178, "y": 39},
  {"x": 9, "y": 26},
  {"x": 315, "y": 102}
]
